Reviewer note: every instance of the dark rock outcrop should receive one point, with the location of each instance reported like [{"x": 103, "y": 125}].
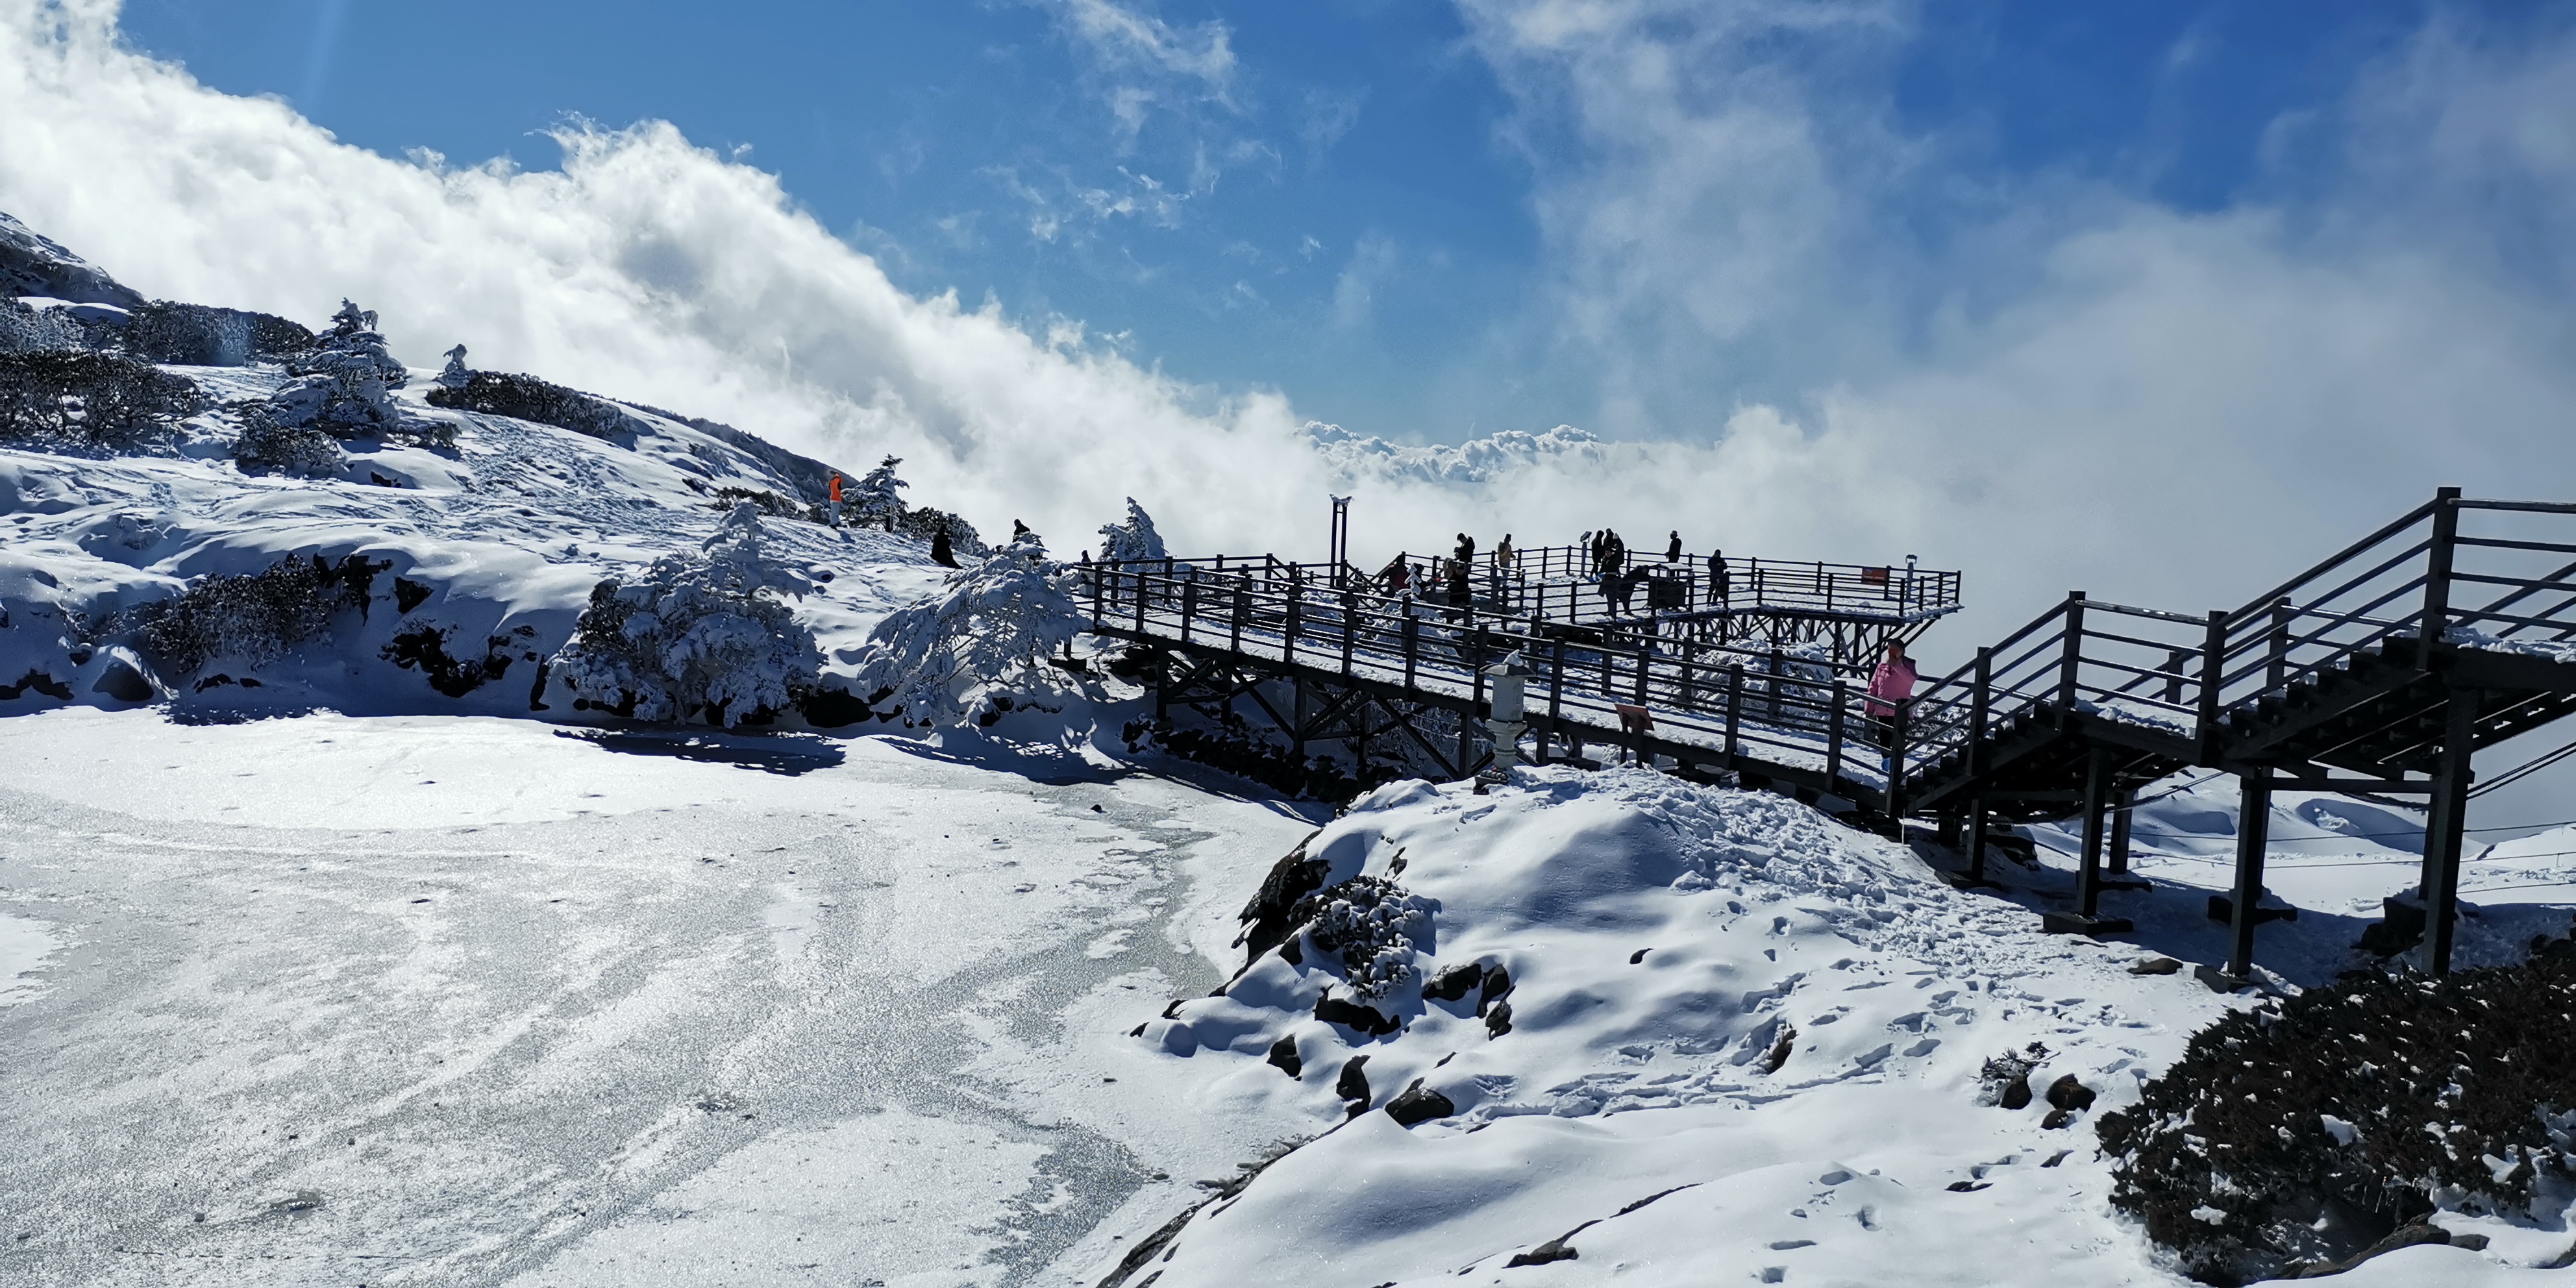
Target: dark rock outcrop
[{"x": 1419, "y": 1104}]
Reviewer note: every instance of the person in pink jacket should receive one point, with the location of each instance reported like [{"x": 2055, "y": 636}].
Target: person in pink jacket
[{"x": 1890, "y": 684}]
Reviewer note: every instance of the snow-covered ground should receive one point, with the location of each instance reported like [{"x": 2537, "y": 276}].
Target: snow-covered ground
[
  {"x": 447, "y": 1000},
  {"x": 1744, "y": 1045}
]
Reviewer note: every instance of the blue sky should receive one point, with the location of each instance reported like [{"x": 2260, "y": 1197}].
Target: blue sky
[{"x": 1347, "y": 200}]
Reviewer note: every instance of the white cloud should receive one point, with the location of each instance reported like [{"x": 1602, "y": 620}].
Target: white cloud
[
  {"x": 1373, "y": 261},
  {"x": 1121, "y": 36}
]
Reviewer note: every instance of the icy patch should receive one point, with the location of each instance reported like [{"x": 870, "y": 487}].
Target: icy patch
[{"x": 25, "y": 943}]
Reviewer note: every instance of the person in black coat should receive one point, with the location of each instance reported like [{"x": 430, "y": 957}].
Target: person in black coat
[
  {"x": 1673, "y": 552},
  {"x": 1717, "y": 579},
  {"x": 940, "y": 554}
]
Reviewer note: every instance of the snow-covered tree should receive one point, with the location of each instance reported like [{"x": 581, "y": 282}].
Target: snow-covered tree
[
  {"x": 700, "y": 634},
  {"x": 1134, "y": 539},
  {"x": 878, "y": 497},
  {"x": 455, "y": 375},
  {"x": 979, "y": 646},
  {"x": 344, "y": 382}
]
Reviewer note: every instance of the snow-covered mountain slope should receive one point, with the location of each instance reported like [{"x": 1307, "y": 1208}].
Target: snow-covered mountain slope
[
  {"x": 492, "y": 547},
  {"x": 1736, "y": 1042}
]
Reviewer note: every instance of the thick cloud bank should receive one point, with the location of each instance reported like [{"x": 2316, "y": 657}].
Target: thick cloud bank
[{"x": 2101, "y": 392}]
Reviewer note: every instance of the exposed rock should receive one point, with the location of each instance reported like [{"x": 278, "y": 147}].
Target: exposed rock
[
  {"x": 32, "y": 264},
  {"x": 1453, "y": 982},
  {"x": 2068, "y": 1094},
  {"x": 1353, "y": 1085},
  {"x": 1492, "y": 987},
  {"x": 2408, "y": 1236},
  {"x": 1554, "y": 1250},
  {"x": 1419, "y": 1104},
  {"x": 1283, "y": 1056},
  {"x": 2056, "y": 1119},
  {"x": 1291, "y": 879},
  {"x": 36, "y": 681},
  {"x": 1333, "y": 1010},
  {"x": 1498, "y": 1020},
  {"x": 2155, "y": 966}
]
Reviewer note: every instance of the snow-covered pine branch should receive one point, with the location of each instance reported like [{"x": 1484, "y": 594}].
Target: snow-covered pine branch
[
  {"x": 703, "y": 634},
  {"x": 1134, "y": 539},
  {"x": 979, "y": 646},
  {"x": 878, "y": 498}
]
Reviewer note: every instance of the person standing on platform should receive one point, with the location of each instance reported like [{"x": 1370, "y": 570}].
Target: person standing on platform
[
  {"x": 1503, "y": 556},
  {"x": 1718, "y": 588},
  {"x": 836, "y": 498},
  {"x": 1673, "y": 552},
  {"x": 1891, "y": 685}
]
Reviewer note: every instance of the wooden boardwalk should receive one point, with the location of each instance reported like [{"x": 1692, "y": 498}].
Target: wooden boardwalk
[{"x": 2380, "y": 670}]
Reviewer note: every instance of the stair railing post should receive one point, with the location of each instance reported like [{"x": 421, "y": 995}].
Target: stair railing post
[
  {"x": 1189, "y": 606},
  {"x": 1138, "y": 573},
  {"x": 1834, "y": 739},
  {"x": 1896, "y": 722},
  {"x": 2276, "y": 671},
  {"x": 1412, "y": 643},
  {"x": 1350, "y": 617},
  {"x": 1288, "y": 636},
  {"x": 1556, "y": 693},
  {"x": 1734, "y": 708},
  {"x": 2437, "y": 575},
  {"x": 1475, "y": 699},
  {"x": 1980, "y": 703},
  {"x": 1099, "y": 576},
  {"x": 1242, "y": 608},
  {"x": 2070, "y": 666},
  {"x": 1772, "y": 688},
  {"x": 2213, "y": 677}
]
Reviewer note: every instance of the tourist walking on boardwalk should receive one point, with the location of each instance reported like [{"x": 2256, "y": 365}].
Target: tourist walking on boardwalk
[
  {"x": 1460, "y": 592},
  {"x": 1397, "y": 576},
  {"x": 1503, "y": 557},
  {"x": 1600, "y": 553},
  {"x": 1717, "y": 583},
  {"x": 1673, "y": 552}
]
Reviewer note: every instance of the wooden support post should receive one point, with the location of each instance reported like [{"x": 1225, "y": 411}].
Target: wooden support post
[
  {"x": 1139, "y": 575},
  {"x": 1977, "y": 839},
  {"x": 2253, "y": 836},
  {"x": 1099, "y": 576},
  {"x": 1189, "y": 606},
  {"x": 2445, "y": 826},
  {"x": 1297, "y": 717},
  {"x": 2437, "y": 575},
  {"x": 2121, "y": 808},
  {"x": 1242, "y": 609},
  {"x": 2097, "y": 802}
]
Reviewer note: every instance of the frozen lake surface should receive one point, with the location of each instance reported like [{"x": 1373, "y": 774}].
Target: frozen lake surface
[{"x": 464, "y": 1001}]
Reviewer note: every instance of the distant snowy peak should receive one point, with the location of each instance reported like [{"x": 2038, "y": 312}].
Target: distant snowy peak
[
  {"x": 32, "y": 264},
  {"x": 1478, "y": 460}
]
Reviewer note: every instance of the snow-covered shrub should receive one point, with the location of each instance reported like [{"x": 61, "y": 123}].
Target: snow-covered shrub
[
  {"x": 88, "y": 397},
  {"x": 878, "y": 498},
  {"x": 1373, "y": 925},
  {"x": 701, "y": 633},
  {"x": 496, "y": 393},
  {"x": 267, "y": 446},
  {"x": 769, "y": 503},
  {"x": 1134, "y": 539},
  {"x": 204, "y": 336},
  {"x": 251, "y": 619},
  {"x": 455, "y": 375},
  {"x": 979, "y": 646},
  {"x": 24, "y": 329},
  {"x": 2306, "y": 1135},
  {"x": 921, "y": 523}
]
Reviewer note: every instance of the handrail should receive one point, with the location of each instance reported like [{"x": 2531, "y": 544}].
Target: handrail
[{"x": 2393, "y": 527}]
